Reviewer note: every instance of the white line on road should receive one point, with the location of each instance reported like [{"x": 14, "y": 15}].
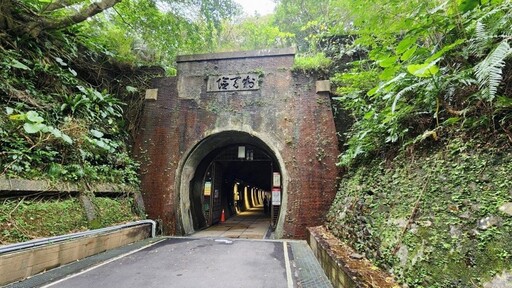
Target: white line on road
[
  {"x": 99, "y": 265},
  {"x": 289, "y": 278}
]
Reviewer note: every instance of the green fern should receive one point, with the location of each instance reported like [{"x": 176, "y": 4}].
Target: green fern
[
  {"x": 489, "y": 71},
  {"x": 481, "y": 31},
  {"x": 410, "y": 88}
]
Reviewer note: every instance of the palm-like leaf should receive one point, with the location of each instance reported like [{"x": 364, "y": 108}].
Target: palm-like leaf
[{"x": 489, "y": 71}]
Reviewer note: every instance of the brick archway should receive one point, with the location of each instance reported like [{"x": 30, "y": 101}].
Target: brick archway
[
  {"x": 193, "y": 166},
  {"x": 228, "y": 97}
]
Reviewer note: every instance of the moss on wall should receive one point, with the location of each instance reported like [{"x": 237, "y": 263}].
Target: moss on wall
[{"x": 431, "y": 218}]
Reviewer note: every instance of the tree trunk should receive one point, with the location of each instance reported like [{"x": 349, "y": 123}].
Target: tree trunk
[
  {"x": 33, "y": 24},
  {"x": 5, "y": 15}
]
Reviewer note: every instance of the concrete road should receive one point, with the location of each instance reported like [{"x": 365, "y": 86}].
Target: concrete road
[
  {"x": 189, "y": 262},
  {"x": 249, "y": 224}
]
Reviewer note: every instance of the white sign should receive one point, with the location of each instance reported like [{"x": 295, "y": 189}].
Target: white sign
[
  {"x": 276, "y": 180},
  {"x": 241, "y": 152},
  {"x": 276, "y": 196}
]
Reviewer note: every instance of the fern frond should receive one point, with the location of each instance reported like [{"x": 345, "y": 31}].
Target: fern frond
[
  {"x": 489, "y": 71},
  {"x": 493, "y": 12},
  {"x": 481, "y": 31},
  {"x": 405, "y": 90}
]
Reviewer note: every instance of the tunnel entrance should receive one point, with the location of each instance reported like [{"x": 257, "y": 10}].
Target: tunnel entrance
[
  {"x": 231, "y": 171},
  {"x": 217, "y": 103},
  {"x": 236, "y": 179}
]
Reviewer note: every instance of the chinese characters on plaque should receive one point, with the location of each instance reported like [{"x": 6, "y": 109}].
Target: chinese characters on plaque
[{"x": 233, "y": 83}]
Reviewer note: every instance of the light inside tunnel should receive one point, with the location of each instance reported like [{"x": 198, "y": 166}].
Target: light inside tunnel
[
  {"x": 241, "y": 152},
  {"x": 216, "y": 159},
  {"x": 234, "y": 180},
  {"x": 246, "y": 199}
]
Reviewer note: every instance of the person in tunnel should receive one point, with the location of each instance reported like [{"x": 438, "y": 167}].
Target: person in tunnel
[{"x": 266, "y": 205}]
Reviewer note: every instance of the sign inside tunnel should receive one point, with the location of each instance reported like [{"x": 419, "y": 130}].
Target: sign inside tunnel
[
  {"x": 276, "y": 179},
  {"x": 276, "y": 196},
  {"x": 207, "y": 188},
  {"x": 239, "y": 82}
]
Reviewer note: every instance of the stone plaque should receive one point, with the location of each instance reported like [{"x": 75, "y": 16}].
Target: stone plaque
[
  {"x": 323, "y": 86},
  {"x": 151, "y": 94},
  {"x": 239, "y": 82}
]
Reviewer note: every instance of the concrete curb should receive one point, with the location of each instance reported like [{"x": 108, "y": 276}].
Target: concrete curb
[
  {"x": 23, "y": 263},
  {"x": 343, "y": 266}
]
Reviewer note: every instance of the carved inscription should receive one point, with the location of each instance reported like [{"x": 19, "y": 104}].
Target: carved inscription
[{"x": 233, "y": 82}]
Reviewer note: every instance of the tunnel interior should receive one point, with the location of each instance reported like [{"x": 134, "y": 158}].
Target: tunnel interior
[{"x": 234, "y": 177}]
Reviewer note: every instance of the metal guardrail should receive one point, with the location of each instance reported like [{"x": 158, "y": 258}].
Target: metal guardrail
[{"x": 57, "y": 239}]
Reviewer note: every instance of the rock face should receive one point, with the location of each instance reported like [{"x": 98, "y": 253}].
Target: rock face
[
  {"x": 460, "y": 235},
  {"x": 488, "y": 222},
  {"x": 506, "y": 208},
  {"x": 224, "y": 99},
  {"x": 503, "y": 280}
]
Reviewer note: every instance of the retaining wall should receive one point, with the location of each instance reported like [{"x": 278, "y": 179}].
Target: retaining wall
[
  {"x": 21, "y": 264},
  {"x": 342, "y": 265}
]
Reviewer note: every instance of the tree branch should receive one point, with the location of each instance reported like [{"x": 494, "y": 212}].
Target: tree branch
[
  {"x": 82, "y": 15},
  {"x": 35, "y": 24},
  {"x": 59, "y": 4}
]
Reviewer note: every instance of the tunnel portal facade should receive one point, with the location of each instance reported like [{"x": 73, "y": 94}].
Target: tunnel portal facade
[{"x": 230, "y": 130}]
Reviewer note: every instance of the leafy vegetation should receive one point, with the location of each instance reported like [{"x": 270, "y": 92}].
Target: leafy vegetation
[
  {"x": 317, "y": 62},
  {"x": 56, "y": 125},
  {"x": 251, "y": 33},
  {"x": 426, "y": 157},
  {"x": 170, "y": 27},
  {"x": 408, "y": 72},
  {"x": 72, "y": 81},
  {"x": 35, "y": 218},
  {"x": 70, "y": 96},
  {"x": 446, "y": 71},
  {"x": 423, "y": 215}
]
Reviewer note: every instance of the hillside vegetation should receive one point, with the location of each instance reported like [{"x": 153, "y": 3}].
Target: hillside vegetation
[
  {"x": 72, "y": 80},
  {"x": 423, "y": 99},
  {"x": 439, "y": 217},
  {"x": 73, "y": 76},
  {"x": 426, "y": 191},
  {"x": 425, "y": 90}
]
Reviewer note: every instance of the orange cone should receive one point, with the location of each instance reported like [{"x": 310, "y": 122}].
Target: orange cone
[{"x": 222, "y": 216}]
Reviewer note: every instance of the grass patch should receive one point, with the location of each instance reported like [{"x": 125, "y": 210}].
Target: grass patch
[
  {"x": 23, "y": 220},
  {"x": 317, "y": 62}
]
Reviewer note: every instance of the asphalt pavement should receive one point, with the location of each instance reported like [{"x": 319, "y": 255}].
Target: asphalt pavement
[
  {"x": 233, "y": 253},
  {"x": 192, "y": 262},
  {"x": 183, "y": 262}
]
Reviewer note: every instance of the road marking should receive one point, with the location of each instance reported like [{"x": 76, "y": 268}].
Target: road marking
[
  {"x": 101, "y": 264},
  {"x": 289, "y": 278},
  {"x": 225, "y": 241}
]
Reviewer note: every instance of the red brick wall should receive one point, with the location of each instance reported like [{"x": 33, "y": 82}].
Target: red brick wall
[{"x": 285, "y": 110}]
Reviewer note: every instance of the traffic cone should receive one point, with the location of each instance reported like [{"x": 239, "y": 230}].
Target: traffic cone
[{"x": 222, "y": 216}]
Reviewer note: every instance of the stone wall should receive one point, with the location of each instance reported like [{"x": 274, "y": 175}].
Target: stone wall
[{"x": 343, "y": 266}]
